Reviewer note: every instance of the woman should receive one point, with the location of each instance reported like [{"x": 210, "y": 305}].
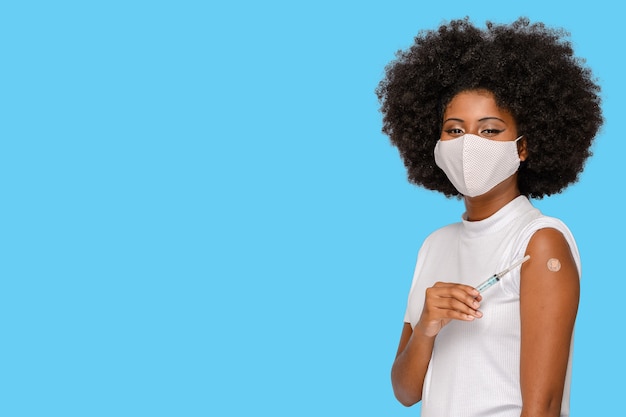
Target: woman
[{"x": 493, "y": 116}]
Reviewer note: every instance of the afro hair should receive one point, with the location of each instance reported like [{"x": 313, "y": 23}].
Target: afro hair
[{"x": 531, "y": 71}]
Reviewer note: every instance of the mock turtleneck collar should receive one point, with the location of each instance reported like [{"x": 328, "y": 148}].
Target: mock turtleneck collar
[{"x": 499, "y": 219}]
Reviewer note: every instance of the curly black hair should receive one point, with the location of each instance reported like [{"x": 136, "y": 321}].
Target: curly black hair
[{"x": 531, "y": 71}]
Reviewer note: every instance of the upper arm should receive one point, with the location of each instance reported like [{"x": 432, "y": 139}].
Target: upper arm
[{"x": 548, "y": 305}]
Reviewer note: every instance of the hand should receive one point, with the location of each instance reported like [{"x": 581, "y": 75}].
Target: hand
[{"x": 445, "y": 302}]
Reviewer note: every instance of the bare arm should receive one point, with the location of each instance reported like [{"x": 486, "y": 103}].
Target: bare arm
[
  {"x": 549, "y": 294},
  {"x": 444, "y": 302},
  {"x": 409, "y": 368}
]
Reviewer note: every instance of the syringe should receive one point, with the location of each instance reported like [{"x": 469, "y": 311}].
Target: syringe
[{"x": 496, "y": 277}]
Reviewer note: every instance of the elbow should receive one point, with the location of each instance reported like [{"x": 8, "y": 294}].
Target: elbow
[
  {"x": 404, "y": 392},
  {"x": 405, "y": 397},
  {"x": 406, "y": 401}
]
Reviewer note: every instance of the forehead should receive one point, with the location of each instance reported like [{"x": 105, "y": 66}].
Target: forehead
[{"x": 475, "y": 104}]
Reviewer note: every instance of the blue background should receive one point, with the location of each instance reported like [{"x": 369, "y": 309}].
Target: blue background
[{"x": 201, "y": 217}]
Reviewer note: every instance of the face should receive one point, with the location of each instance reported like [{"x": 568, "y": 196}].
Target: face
[{"x": 476, "y": 112}]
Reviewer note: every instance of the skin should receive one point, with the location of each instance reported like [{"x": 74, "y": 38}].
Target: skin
[{"x": 548, "y": 299}]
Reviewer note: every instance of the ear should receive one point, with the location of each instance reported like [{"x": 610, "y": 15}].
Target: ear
[{"x": 522, "y": 149}]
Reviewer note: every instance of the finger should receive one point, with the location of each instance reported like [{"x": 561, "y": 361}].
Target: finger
[
  {"x": 464, "y": 293},
  {"x": 466, "y": 307},
  {"x": 447, "y": 306},
  {"x": 469, "y": 290},
  {"x": 451, "y": 314}
]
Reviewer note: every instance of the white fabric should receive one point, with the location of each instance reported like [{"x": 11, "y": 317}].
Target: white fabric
[
  {"x": 474, "y": 165},
  {"x": 474, "y": 369}
]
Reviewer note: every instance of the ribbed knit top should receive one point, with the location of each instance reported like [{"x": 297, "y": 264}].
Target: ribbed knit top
[{"x": 474, "y": 369}]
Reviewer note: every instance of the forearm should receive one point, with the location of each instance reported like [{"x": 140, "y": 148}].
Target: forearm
[{"x": 409, "y": 369}]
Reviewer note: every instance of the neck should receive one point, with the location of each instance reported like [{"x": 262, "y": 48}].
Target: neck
[{"x": 483, "y": 206}]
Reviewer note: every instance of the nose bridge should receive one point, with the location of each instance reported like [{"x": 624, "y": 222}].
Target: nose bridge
[{"x": 473, "y": 128}]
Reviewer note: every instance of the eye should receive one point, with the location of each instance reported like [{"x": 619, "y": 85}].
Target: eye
[
  {"x": 454, "y": 131},
  {"x": 490, "y": 132}
]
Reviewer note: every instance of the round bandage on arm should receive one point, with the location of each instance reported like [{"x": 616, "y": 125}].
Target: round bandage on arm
[{"x": 553, "y": 265}]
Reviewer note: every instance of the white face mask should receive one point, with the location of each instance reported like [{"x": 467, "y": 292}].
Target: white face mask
[{"x": 474, "y": 165}]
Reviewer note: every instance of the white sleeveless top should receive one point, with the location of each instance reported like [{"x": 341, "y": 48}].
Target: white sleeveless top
[{"x": 474, "y": 368}]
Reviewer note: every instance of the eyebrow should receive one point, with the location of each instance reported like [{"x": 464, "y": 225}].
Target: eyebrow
[{"x": 455, "y": 119}]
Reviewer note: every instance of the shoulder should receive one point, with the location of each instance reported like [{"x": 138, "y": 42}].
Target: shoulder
[
  {"x": 443, "y": 234},
  {"x": 552, "y": 253},
  {"x": 546, "y": 239},
  {"x": 452, "y": 228},
  {"x": 544, "y": 234}
]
